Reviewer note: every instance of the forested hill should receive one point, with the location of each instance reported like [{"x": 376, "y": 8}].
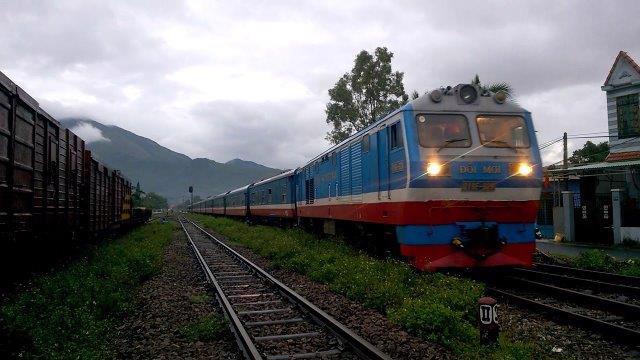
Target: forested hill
[{"x": 162, "y": 170}]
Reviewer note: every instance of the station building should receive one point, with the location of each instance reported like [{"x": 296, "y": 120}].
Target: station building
[{"x": 600, "y": 202}]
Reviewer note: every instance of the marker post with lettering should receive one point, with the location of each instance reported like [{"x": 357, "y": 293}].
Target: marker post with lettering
[{"x": 488, "y": 320}]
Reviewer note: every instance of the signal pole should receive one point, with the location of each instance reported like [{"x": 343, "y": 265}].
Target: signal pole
[{"x": 191, "y": 192}]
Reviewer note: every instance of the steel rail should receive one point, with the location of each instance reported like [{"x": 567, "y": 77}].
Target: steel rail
[
  {"x": 242, "y": 336},
  {"x": 625, "y": 309},
  {"x": 590, "y": 274},
  {"x": 621, "y": 333},
  {"x": 358, "y": 345},
  {"x": 572, "y": 281}
]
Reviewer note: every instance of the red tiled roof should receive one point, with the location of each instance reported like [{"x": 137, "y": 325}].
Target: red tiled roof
[
  {"x": 622, "y": 54},
  {"x": 623, "y": 156}
]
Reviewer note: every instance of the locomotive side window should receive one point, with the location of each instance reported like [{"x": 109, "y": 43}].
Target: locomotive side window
[
  {"x": 503, "y": 131},
  {"x": 395, "y": 136},
  {"x": 443, "y": 130}
]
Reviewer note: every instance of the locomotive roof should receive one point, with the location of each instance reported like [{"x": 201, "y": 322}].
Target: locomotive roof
[
  {"x": 238, "y": 189},
  {"x": 449, "y": 103},
  {"x": 276, "y": 177}
]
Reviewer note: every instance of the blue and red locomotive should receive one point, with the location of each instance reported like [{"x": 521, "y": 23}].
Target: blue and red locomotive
[{"x": 455, "y": 174}]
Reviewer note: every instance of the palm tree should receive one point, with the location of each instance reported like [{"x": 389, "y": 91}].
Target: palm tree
[{"x": 495, "y": 87}]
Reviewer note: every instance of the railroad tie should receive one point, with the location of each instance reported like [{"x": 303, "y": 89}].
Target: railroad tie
[
  {"x": 311, "y": 355},
  {"x": 274, "y": 322},
  {"x": 266, "y": 311},
  {"x": 286, "y": 336}
]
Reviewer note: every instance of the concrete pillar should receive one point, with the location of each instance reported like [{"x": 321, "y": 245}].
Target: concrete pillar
[
  {"x": 616, "y": 212},
  {"x": 569, "y": 224}
]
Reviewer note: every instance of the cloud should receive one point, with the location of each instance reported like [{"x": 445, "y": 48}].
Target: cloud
[
  {"x": 249, "y": 80},
  {"x": 89, "y": 133}
]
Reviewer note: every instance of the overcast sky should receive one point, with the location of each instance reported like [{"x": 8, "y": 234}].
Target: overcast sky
[{"x": 249, "y": 80}]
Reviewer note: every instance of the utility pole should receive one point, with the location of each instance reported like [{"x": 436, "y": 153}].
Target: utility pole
[{"x": 565, "y": 161}]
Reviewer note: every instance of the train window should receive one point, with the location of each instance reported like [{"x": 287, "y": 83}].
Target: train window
[
  {"x": 395, "y": 136},
  {"x": 366, "y": 144},
  {"x": 443, "y": 130},
  {"x": 503, "y": 131}
]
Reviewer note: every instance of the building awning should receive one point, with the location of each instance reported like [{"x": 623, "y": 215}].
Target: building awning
[{"x": 601, "y": 166}]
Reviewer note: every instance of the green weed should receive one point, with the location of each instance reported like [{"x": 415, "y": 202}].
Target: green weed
[
  {"x": 70, "y": 313},
  {"x": 206, "y": 329},
  {"x": 199, "y": 298},
  {"x": 595, "y": 260},
  {"x": 433, "y": 306}
]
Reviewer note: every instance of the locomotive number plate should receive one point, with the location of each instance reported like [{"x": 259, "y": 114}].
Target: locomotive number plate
[{"x": 482, "y": 186}]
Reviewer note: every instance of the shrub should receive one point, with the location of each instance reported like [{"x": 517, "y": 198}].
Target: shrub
[
  {"x": 631, "y": 267},
  {"x": 594, "y": 259}
]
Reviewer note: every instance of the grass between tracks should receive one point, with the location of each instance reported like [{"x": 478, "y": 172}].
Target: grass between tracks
[
  {"x": 599, "y": 260},
  {"x": 436, "y": 307},
  {"x": 71, "y": 312},
  {"x": 205, "y": 329}
]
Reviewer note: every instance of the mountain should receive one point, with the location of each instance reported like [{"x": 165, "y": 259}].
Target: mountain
[{"x": 162, "y": 170}]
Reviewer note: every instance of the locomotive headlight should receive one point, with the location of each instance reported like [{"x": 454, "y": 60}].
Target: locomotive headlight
[
  {"x": 468, "y": 94},
  {"x": 525, "y": 169},
  {"x": 500, "y": 97},
  {"x": 433, "y": 168},
  {"x": 436, "y": 96}
]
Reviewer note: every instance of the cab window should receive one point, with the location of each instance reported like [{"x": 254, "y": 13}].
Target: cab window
[
  {"x": 443, "y": 130},
  {"x": 503, "y": 131},
  {"x": 396, "y": 136}
]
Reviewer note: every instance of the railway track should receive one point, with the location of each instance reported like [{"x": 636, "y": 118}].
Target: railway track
[
  {"x": 605, "y": 302},
  {"x": 268, "y": 319}
]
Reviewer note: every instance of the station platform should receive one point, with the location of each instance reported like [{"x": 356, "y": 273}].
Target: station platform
[{"x": 575, "y": 249}]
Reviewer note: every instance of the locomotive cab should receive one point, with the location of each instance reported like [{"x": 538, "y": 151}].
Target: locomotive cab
[{"x": 474, "y": 180}]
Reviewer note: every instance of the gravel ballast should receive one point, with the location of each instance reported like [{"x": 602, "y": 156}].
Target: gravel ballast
[
  {"x": 370, "y": 324},
  {"x": 553, "y": 340},
  {"x": 176, "y": 297}
]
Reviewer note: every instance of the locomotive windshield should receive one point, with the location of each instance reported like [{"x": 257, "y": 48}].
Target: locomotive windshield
[
  {"x": 503, "y": 131},
  {"x": 443, "y": 130}
]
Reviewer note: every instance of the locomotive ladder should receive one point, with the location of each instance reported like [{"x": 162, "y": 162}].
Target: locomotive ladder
[{"x": 267, "y": 318}]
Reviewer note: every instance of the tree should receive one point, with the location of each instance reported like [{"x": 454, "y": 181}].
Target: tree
[
  {"x": 590, "y": 153},
  {"x": 154, "y": 201},
  {"x": 136, "y": 197},
  {"x": 495, "y": 87},
  {"x": 371, "y": 90}
]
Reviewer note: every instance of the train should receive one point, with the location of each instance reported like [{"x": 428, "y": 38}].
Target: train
[
  {"x": 452, "y": 179},
  {"x": 52, "y": 190}
]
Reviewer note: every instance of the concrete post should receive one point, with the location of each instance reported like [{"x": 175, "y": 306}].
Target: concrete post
[
  {"x": 569, "y": 224},
  {"x": 616, "y": 210}
]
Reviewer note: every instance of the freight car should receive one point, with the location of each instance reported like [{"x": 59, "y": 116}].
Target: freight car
[
  {"x": 454, "y": 176},
  {"x": 51, "y": 188}
]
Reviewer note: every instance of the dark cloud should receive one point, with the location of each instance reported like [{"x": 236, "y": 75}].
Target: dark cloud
[{"x": 250, "y": 80}]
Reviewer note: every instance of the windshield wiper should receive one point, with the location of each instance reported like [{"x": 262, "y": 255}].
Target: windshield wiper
[
  {"x": 506, "y": 144},
  {"x": 451, "y": 141}
]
